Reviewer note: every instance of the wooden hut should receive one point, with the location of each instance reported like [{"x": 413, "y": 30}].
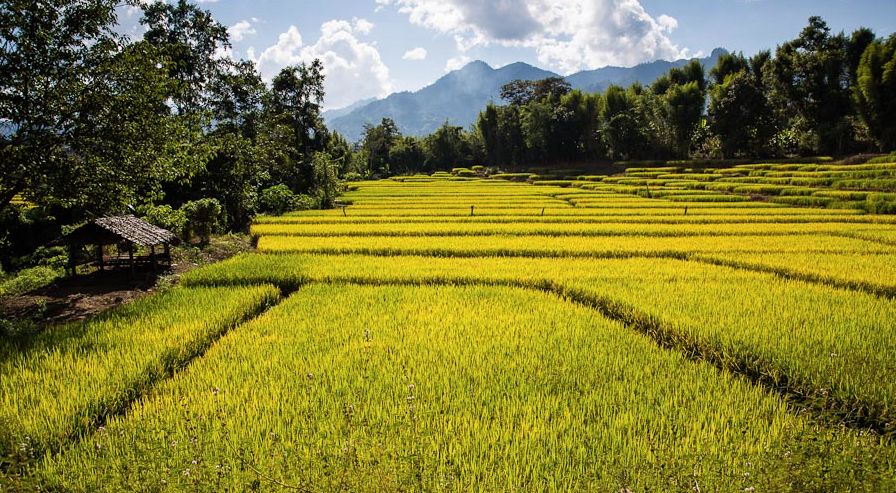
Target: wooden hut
[{"x": 128, "y": 234}]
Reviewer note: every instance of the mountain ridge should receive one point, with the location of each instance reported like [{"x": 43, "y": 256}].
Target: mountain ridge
[{"x": 459, "y": 96}]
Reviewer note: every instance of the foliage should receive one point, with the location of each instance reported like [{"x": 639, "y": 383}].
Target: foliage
[
  {"x": 29, "y": 279},
  {"x": 165, "y": 216},
  {"x": 203, "y": 218},
  {"x": 875, "y": 91},
  {"x": 276, "y": 200}
]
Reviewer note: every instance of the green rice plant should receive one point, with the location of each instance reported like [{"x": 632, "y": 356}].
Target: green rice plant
[
  {"x": 797, "y": 191},
  {"x": 511, "y": 176},
  {"x": 877, "y": 185},
  {"x": 870, "y": 273},
  {"x": 356, "y": 388},
  {"x": 563, "y": 229},
  {"x": 709, "y": 197},
  {"x": 72, "y": 378},
  {"x": 564, "y": 246},
  {"x": 828, "y": 346},
  {"x": 810, "y": 201},
  {"x": 841, "y": 194}
]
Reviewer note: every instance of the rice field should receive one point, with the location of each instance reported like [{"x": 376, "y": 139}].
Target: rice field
[{"x": 489, "y": 335}]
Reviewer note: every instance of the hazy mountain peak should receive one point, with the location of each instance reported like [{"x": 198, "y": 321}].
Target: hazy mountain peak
[{"x": 459, "y": 96}]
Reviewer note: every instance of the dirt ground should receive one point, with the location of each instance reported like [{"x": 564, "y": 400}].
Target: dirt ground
[{"x": 82, "y": 296}]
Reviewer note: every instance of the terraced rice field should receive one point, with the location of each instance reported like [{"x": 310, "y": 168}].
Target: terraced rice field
[{"x": 440, "y": 335}]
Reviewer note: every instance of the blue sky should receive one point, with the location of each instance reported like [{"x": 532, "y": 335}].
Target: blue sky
[{"x": 371, "y": 48}]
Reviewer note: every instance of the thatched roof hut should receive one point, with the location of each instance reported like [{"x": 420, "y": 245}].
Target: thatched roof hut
[{"x": 127, "y": 231}]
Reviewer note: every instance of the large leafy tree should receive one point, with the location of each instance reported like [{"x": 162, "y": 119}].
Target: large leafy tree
[
  {"x": 47, "y": 52},
  {"x": 83, "y": 113},
  {"x": 678, "y": 108},
  {"x": 237, "y": 169},
  {"x": 875, "y": 91},
  {"x": 377, "y": 144},
  {"x": 739, "y": 112},
  {"x": 294, "y": 129},
  {"x": 191, "y": 39},
  {"x": 809, "y": 83}
]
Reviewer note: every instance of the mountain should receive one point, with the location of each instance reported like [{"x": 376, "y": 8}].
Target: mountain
[
  {"x": 333, "y": 114},
  {"x": 459, "y": 96},
  {"x": 598, "y": 80}
]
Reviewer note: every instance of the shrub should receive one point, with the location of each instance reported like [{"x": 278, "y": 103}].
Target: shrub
[
  {"x": 165, "y": 216},
  {"x": 305, "y": 202},
  {"x": 276, "y": 200},
  {"x": 463, "y": 172},
  {"x": 203, "y": 218},
  {"x": 29, "y": 279}
]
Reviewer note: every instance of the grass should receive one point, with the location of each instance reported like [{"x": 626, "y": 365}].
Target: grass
[
  {"x": 29, "y": 279},
  {"x": 68, "y": 380},
  {"x": 355, "y": 388},
  {"x": 613, "y": 343}
]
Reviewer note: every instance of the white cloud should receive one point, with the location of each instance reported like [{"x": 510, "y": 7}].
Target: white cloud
[
  {"x": 415, "y": 54},
  {"x": 456, "y": 63},
  {"x": 362, "y": 26},
  {"x": 353, "y": 68},
  {"x": 567, "y": 35},
  {"x": 240, "y": 30}
]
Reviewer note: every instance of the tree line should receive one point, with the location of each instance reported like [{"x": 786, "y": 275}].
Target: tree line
[
  {"x": 93, "y": 122},
  {"x": 818, "y": 94}
]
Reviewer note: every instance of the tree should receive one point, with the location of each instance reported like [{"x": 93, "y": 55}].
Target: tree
[
  {"x": 875, "y": 91},
  {"x": 522, "y": 92},
  {"x": 727, "y": 65},
  {"x": 681, "y": 97},
  {"x": 190, "y": 38},
  {"x": 236, "y": 172},
  {"x": 84, "y": 114},
  {"x": 446, "y": 148},
  {"x": 739, "y": 114},
  {"x": 47, "y": 50},
  {"x": 294, "y": 130},
  {"x": 378, "y": 142},
  {"x": 406, "y": 155},
  {"x": 809, "y": 84}
]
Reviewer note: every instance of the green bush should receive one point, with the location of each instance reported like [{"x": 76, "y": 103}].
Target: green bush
[
  {"x": 29, "y": 279},
  {"x": 464, "y": 172},
  {"x": 203, "y": 218},
  {"x": 276, "y": 200},
  {"x": 165, "y": 216}
]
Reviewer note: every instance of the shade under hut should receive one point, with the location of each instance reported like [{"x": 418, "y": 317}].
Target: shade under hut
[{"x": 127, "y": 233}]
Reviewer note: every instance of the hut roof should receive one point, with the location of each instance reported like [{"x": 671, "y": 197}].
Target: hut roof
[{"x": 113, "y": 229}]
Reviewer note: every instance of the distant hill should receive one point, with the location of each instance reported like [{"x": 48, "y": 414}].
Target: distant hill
[
  {"x": 333, "y": 114},
  {"x": 599, "y": 80},
  {"x": 460, "y": 95}
]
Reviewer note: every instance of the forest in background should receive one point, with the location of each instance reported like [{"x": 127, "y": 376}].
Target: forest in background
[{"x": 818, "y": 94}]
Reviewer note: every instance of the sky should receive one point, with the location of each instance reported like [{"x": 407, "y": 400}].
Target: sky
[{"x": 371, "y": 48}]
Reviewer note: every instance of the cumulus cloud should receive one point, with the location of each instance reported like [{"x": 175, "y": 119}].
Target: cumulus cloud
[
  {"x": 353, "y": 67},
  {"x": 241, "y": 29},
  {"x": 415, "y": 54},
  {"x": 567, "y": 35}
]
